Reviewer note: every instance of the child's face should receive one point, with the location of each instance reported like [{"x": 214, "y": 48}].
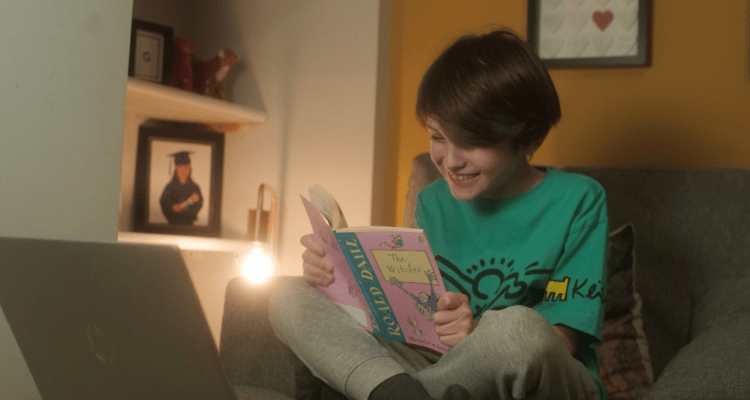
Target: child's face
[
  {"x": 183, "y": 172},
  {"x": 493, "y": 172}
]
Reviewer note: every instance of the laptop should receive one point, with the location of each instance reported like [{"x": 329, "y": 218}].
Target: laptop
[{"x": 93, "y": 320}]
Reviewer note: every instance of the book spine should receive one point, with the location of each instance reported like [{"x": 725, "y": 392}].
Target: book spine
[{"x": 384, "y": 322}]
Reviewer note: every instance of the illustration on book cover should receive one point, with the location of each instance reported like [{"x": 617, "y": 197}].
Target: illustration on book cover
[{"x": 385, "y": 277}]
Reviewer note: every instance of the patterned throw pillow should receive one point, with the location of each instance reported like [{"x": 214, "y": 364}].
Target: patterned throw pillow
[{"x": 625, "y": 365}]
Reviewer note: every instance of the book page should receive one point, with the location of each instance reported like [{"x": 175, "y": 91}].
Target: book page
[{"x": 328, "y": 206}]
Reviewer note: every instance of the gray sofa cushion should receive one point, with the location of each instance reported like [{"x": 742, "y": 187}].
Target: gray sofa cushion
[
  {"x": 258, "y": 393},
  {"x": 692, "y": 226},
  {"x": 256, "y": 362},
  {"x": 723, "y": 301},
  {"x": 713, "y": 365},
  {"x": 250, "y": 352},
  {"x": 719, "y": 353}
]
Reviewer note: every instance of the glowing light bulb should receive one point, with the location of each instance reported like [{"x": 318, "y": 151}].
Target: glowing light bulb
[{"x": 257, "y": 265}]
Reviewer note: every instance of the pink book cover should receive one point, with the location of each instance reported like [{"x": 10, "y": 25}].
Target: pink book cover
[
  {"x": 344, "y": 290},
  {"x": 408, "y": 275}
]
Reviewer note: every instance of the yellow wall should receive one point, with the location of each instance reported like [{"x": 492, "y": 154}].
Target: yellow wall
[{"x": 690, "y": 108}]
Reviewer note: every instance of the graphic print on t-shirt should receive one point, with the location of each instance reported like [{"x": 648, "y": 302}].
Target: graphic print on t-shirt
[{"x": 513, "y": 284}]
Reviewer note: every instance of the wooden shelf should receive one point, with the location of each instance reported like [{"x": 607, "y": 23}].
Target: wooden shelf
[
  {"x": 151, "y": 100},
  {"x": 146, "y": 100},
  {"x": 189, "y": 242}
]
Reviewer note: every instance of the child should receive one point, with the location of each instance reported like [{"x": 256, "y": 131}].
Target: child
[
  {"x": 181, "y": 199},
  {"x": 521, "y": 250}
]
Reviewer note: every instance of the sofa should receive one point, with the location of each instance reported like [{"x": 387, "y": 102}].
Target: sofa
[{"x": 677, "y": 324}]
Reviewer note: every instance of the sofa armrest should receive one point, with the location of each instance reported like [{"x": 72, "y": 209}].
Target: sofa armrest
[
  {"x": 712, "y": 366},
  {"x": 249, "y": 351}
]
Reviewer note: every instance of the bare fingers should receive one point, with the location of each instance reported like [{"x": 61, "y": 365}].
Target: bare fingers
[{"x": 316, "y": 270}]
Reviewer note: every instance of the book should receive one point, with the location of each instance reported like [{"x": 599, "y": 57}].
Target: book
[{"x": 385, "y": 277}]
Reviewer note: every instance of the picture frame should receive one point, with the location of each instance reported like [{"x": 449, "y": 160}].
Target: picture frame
[
  {"x": 150, "y": 51},
  {"x": 591, "y": 33},
  {"x": 170, "y": 199}
]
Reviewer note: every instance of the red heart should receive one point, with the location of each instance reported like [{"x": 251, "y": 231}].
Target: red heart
[{"x": 603, "y": 19}]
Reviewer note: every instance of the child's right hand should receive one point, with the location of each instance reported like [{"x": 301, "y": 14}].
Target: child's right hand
[{"x": 317, "y": 270}]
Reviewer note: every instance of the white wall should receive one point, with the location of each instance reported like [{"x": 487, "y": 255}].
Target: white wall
[
  {"x": 312, "y": 65},
  {"x": 62, "y": 77}
]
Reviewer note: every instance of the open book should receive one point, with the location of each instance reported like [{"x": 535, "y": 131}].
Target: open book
[{"x": 385, "y": 277}]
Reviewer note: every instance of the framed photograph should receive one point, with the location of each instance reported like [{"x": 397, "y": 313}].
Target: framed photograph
[
  {"x": 150, "y": 51},
  {"x": 591, "y": 33},
  {"x": 179, "y": 170}
]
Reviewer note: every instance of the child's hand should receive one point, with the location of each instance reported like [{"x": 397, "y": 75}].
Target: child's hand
[
  {"x": 317, "y": 270},
  {"x": 454, "y": 321}
]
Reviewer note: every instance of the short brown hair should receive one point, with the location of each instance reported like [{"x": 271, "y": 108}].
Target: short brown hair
[{"x": 487, "y": 88}]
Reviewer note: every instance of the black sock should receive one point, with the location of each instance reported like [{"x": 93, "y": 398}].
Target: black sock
[{"x": 400, "y": 387}]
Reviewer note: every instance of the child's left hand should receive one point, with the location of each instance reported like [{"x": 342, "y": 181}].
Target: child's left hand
[{"x": 454, "y": 321}]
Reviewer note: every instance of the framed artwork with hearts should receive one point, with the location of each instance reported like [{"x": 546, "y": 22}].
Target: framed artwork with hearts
[{"x": 591, "y": 33}]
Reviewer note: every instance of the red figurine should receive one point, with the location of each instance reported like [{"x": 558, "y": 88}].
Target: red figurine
[
  {"x": 209, "y": 75},
  {"x": 182, "y": 66}
]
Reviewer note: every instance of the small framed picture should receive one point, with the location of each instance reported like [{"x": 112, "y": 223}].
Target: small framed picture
[
  {"x": 590, "y": 33},
  {"x": 150, "y": 51},
  {"x": 179, "y": 171}
]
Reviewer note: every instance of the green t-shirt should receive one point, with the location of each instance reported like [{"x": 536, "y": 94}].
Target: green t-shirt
[{"x": 543, "y": 249}]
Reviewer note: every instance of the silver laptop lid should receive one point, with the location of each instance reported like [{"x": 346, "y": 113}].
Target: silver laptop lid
[{"x": 102, "y": 321}]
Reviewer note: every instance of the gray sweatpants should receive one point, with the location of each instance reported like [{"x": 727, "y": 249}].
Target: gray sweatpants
[{"x": 512, "y": 354}]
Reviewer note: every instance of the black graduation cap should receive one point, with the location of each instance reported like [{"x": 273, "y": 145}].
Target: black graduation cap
[{"x": 181, "y": 157}]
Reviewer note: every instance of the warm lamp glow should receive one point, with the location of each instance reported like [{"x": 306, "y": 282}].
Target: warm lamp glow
[{"x": 258, "y": 264}]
